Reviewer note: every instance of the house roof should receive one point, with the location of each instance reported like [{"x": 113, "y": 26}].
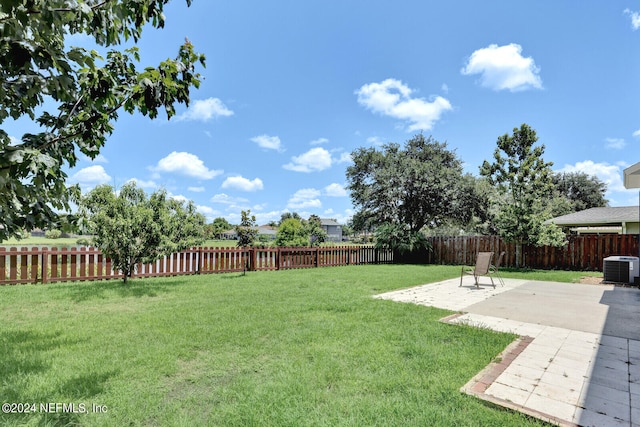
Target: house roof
[
  {"x": 328, "y": 221},
  {"x": 599, "y": 217},
  {"x": 267, "y": 229}
]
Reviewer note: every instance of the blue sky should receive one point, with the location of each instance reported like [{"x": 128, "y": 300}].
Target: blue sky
[{"x": 291, "y": 88}]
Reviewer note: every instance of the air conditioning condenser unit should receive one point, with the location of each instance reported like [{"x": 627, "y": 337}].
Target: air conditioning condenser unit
[{"x": 621, "y": 269}]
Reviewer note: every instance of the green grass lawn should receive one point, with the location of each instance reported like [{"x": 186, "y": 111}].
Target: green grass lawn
[
  {"x": 283, "y": 348},
  {"x": 41, "y": 241}
]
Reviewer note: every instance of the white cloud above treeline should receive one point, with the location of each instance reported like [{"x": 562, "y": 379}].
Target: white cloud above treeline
[
  {"x": 268, "y": 142},
  {"x": 204, "y": 110},
  {"x": 305, "y": 198},
  {"x": 314, "y": 160},
  {"x": 335, "y": 190},
  {"x": 91, "y": 175},
  {"x": 185, "y": 164},
  {"x": 393, "y": 98},
  {"x": 504, "y": 68},
  {"x": 607, "y": 173},
  {"x": 635, "y": 18},
  {"x": 243, "y": 184}
]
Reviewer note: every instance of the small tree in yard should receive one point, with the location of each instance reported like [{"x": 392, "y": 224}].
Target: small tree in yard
[
  {"x": 292, "y": 232},
  {"x": 247, "y": 230},
  {"x": 130, "y": 228},
  {"x": 525, "y": 183}
]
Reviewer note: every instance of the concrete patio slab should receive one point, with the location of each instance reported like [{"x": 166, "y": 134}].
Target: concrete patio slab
[{"x": 577, "y": 362}]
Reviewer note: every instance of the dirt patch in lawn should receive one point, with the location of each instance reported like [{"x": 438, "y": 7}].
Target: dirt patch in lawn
[{"x": 592, "y": 280}]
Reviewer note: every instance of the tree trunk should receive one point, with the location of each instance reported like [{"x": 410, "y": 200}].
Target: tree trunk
[{"x": 519, "y": 254}]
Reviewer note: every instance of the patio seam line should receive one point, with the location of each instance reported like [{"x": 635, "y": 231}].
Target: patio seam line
[
  {"x": 478, "y": 385},
  {"x": 629, "y": 380}
]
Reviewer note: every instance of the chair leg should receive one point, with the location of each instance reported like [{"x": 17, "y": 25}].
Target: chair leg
[{"x": 461, "y": 276}]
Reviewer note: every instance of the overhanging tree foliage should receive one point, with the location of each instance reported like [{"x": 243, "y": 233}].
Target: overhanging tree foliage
[
  {"x": 525, "y": 183},
  {"x": 131, "y": 228},
  {"x": 73, "y": 95}
]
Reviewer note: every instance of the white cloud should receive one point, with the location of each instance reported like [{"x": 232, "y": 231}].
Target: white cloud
[
  {"x": 207, "y": 211},
  {"x": 609, "y": 174},
  {"x": 305, "y": 198},
  {"x": 635, "y": 18},
  {"x": 92, "y": 175},
  {"x": 345, "y": 158},
  {"x": 319, "y": 141},
  {"x": 636, "y": 134},
  {"x": 615, "y": 143},
  {"x": 204, "y": 110},
  {"x": 185, "y": 164},
  {"x": 314, "y": 160},
  {"x": 392, "y": 98},
  {"x": 144, "y": 184},
  {"x": 335, "y": 190},
  {"x": 375, "y": 140},
  {"x": 268, "y": 142},
  {"x": 98, "y": 159},
  {"x": 504, "y": 67},
  {"x": 179, "y": 197},
  {"x": 243, "y": 184},
  {"x": 225, "y": 199},
  {"x": 196, "y": 189}
]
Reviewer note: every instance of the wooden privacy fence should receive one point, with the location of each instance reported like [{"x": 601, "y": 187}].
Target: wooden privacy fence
[
  {"x": 46, "y": 265},
  {"x": 584, "y": 252}
]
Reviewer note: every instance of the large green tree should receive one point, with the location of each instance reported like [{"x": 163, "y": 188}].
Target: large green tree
[
  {"x": 73, "y": 95},
  {"x": 417, "y": 186},
  {"x": 131, "y": 228},
  {"x": 582, "y": 191},
  {"x": 292, "y": 232},
  {"x": 217, "y": 227},
  {"x": 525, "y": 183}
]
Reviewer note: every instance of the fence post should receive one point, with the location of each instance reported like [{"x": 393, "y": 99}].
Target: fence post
[
  {"x": 254, "y": 259},
  {"x": 45, "y": 265}
]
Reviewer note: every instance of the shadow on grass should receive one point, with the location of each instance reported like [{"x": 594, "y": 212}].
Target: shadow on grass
[
  {"x": 153, "y": 287},
  {"x": 24, "y": 365}
]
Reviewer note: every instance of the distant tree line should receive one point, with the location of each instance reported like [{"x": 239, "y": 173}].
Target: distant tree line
[{"x": 404, "y": 193}]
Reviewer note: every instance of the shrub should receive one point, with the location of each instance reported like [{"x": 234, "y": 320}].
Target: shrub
[
  {"x": 83, "y": 241},
  {"x": 53, "y": 234}
]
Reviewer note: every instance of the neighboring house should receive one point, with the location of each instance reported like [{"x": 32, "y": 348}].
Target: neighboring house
[
  {"x": 267, "y": 231},
  {"x": 620, "y": 220},
  {"x": 333, "y": 229},
  {"x": 230, "y": 235},
  {"x": 263, "y": 230}
]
